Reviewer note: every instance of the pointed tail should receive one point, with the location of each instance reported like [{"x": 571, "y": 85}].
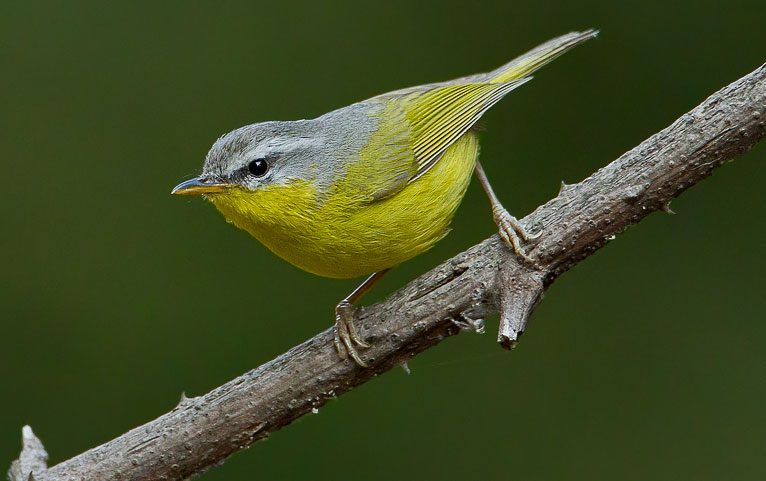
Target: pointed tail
[{"x": 537, "y": 57}]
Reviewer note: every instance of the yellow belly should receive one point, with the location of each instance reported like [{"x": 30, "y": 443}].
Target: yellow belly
[{"x": 335, "y": 238}]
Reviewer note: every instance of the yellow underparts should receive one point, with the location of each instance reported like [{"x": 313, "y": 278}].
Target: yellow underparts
[{"x": 342, "y": 236}]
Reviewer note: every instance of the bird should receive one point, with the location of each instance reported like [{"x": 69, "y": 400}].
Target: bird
[{"x": 364, "y": 188}]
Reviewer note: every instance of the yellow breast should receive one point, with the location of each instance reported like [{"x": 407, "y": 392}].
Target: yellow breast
[{"x": 342, "y": 237}]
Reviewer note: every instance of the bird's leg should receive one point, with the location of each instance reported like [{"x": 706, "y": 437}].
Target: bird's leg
[
  {"x": 346, "y": 335},
  {"x": 509, "y": 227}
]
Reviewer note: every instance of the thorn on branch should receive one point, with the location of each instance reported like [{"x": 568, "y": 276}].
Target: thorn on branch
[
  {"x": 564, "y": 188},
  {"x": 33, "y": 459},
  {"x": 184, "y": 401},
  {"x": 406, "y": 368}
]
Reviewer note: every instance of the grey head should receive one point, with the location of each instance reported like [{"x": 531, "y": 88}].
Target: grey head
[
  {"x": 264, "y": 153},
  {"x": 277, "y": 152},
  {"x": 257, "y": 155}
]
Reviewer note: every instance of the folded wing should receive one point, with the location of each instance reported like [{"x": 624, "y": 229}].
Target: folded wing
[{"x": 420, "y": 123}]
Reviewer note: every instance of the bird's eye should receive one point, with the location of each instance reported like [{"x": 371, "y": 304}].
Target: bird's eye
[{"x": 258, "y": 167}]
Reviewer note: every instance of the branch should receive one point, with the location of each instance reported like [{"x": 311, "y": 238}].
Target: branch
[
  {"x": 201, "y": 432},
  {"x": 33, "y": 459}
]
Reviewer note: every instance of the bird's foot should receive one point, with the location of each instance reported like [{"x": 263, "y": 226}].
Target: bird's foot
[
  {"x": 346, "y": 336},
  {"x": 513, "y": 232}
]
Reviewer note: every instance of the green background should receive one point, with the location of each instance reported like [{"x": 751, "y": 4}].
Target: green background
[{"x": 644, "y": 362}]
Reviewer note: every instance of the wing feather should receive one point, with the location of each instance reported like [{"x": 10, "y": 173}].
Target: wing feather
[
  {"x": 439, "y": 117},
  {"x": 418, "y": 124}
]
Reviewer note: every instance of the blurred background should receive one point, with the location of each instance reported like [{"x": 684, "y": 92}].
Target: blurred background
[{"x": 645, "y": 362}]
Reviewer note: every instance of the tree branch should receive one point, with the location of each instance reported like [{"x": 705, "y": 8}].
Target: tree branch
[
  {"x": 33, "y": 459},
  {"x": 201, "y": 432}
]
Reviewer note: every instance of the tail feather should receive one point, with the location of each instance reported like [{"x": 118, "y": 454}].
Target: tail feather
[{"x": 537, "y": 57}]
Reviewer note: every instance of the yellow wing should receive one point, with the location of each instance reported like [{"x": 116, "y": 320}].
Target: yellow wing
[
  {"x": 420, "y": 123},
  {"x": 440, "y": 116}
]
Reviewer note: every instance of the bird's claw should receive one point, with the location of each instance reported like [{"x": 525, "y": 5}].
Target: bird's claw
[
  {"x": 346, "y": 336},
  {"x": 512, "y": 232}
]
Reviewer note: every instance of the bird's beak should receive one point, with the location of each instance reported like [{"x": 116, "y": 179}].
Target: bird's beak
[{"x": 199, "y": 185}]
